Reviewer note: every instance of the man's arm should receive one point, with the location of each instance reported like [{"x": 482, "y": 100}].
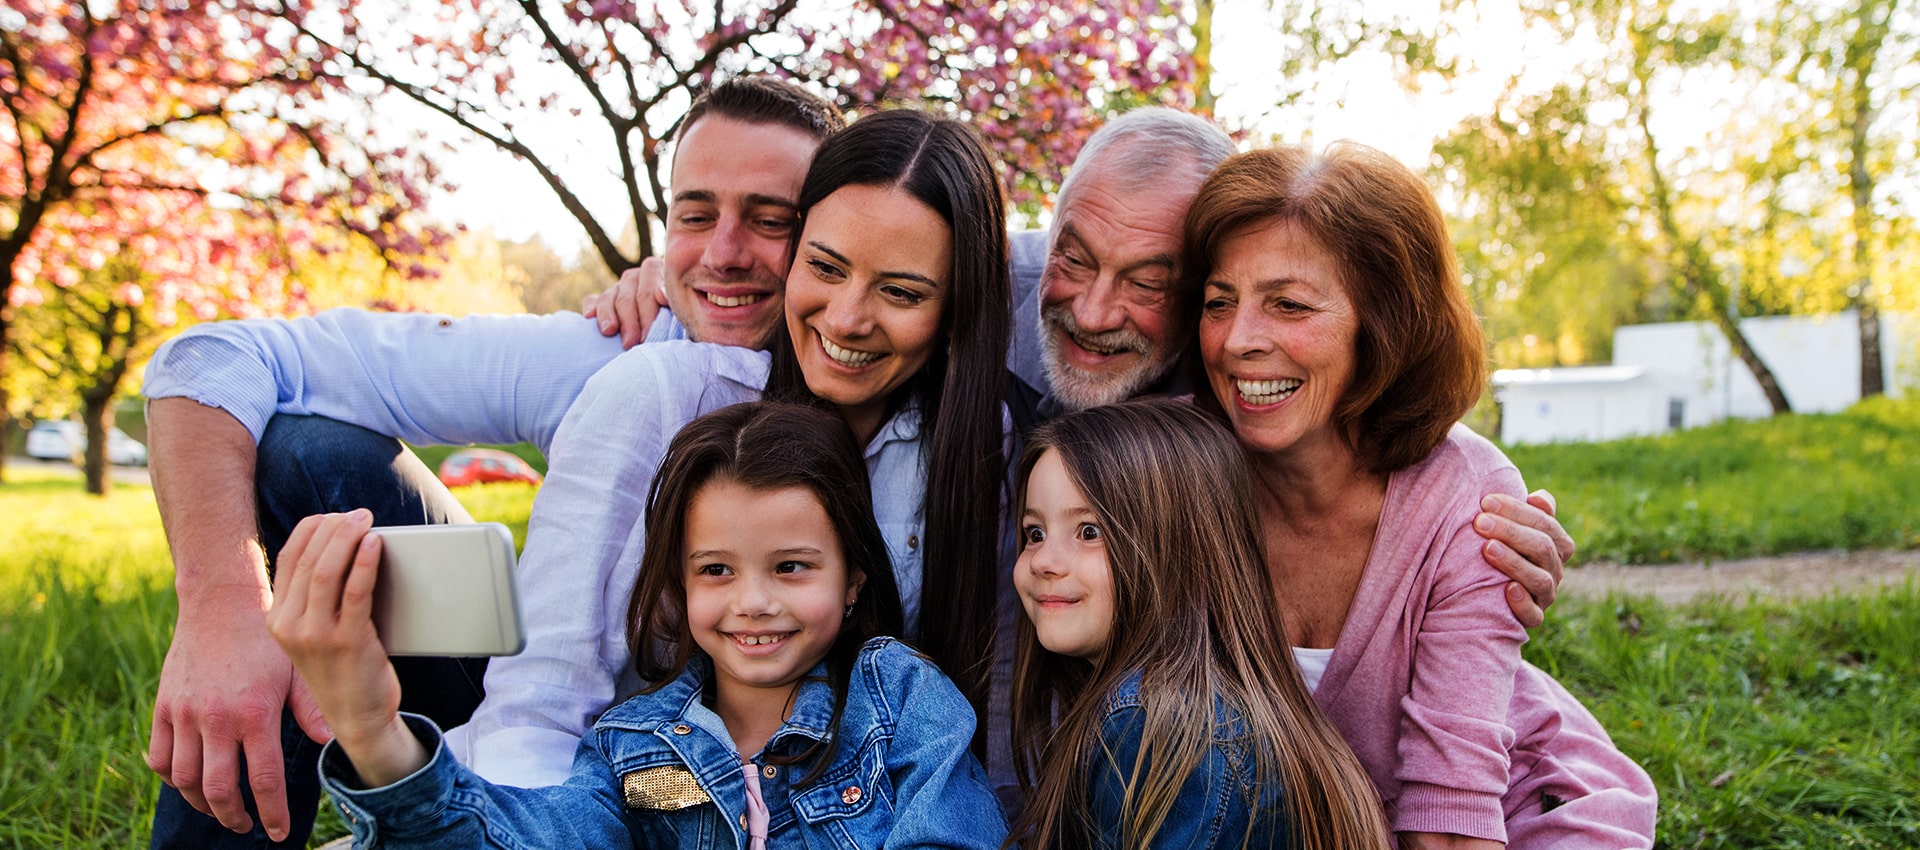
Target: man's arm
[
  {"x": 584, "y": 543},
  {"x": 1527, "y": 542},
  {"x": 224, "y": 680},
  {"x": 423, "y": 378}
]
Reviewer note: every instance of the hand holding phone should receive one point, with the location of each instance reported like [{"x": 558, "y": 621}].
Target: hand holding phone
[{"x": 323, "y": 590}]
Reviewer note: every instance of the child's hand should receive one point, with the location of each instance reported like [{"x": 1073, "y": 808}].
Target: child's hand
[{"x": 323, "y": 617}]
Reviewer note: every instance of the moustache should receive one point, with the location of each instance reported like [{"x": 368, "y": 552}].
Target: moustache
[{"x": 1114, "y": 341}]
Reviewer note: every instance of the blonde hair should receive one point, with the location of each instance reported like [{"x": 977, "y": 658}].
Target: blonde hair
[{"x": 1174, "y": 497}]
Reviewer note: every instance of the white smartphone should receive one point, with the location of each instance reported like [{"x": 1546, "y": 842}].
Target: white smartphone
[{"x": 447, "y": 590}]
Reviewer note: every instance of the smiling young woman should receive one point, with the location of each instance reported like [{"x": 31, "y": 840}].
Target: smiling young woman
[{"x": 894, "y": 167}]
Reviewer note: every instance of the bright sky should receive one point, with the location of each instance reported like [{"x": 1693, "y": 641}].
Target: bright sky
[{"x": 1362, "y": 102}]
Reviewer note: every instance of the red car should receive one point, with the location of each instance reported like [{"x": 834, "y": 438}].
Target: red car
[{"x": 484, "y": 466}]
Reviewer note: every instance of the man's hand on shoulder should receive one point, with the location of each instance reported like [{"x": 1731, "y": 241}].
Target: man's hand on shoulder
[
  {"x": 1526, "y": 541},
  {"x": 630, "y": 305}
]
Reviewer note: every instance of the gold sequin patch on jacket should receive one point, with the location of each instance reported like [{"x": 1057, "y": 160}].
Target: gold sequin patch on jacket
[{"x": 664, "y": 788}]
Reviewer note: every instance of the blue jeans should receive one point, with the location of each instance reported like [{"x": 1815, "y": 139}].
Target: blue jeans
[{"x": 309, "y": 465}]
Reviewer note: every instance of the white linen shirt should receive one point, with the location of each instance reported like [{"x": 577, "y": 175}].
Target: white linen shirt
[{"x": 502, "y": 379}]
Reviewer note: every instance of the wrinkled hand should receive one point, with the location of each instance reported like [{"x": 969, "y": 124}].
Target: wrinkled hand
[
  {"x": 222, "y": 687},
  {"x": 323, "y": 617},
  {"x": 630, "y": 305},
  {"x": 1526, "y": 541}
]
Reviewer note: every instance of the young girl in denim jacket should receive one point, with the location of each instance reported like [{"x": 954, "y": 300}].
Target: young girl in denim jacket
[
  {"x": 1151, "y": 636},
  {"x": 779, "y": 717}
]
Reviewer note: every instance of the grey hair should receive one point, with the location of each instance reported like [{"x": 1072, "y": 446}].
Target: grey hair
[{"x": 1152, "y": 145}]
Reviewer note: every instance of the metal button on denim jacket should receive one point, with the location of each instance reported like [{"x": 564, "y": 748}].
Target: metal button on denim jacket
[{"x": 660, "y": 771}]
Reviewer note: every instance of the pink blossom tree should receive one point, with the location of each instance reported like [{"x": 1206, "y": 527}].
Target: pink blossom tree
[
  {"x": 1033, "y": 75},
  {"x": 175, "y": 155}
]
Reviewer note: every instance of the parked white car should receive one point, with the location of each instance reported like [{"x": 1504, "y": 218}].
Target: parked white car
[{"x": 63, "y": 440}]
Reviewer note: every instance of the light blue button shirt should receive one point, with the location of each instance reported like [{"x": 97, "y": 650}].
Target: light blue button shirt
[{"x": 424, "y": 378}]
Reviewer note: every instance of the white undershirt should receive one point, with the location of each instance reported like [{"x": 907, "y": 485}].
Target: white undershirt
[{"x": 1313, "y": 664}]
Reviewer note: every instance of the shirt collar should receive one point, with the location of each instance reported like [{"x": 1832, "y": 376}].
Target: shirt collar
[
  {"x": 902, "y": 426},
  {"x": 811, "y": 718}
]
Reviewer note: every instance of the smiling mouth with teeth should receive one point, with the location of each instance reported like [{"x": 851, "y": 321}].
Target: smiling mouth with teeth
[
  {"x": 734, "y": 300},
  {"x": 760, "y": 640},
  {"x": 847, "y": 356},
  {"x": 1259, "y": 393}
]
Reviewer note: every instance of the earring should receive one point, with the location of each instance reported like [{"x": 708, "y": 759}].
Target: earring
[{"x": 847, "y": 613}]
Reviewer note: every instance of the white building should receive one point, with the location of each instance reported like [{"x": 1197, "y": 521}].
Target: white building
[{"x": 1683, "y": 374}]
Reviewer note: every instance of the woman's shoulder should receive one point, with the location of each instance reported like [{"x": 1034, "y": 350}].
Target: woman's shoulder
[
  {"x": 1466, "y": 465},
  {"x": 1463, "y": 452}
]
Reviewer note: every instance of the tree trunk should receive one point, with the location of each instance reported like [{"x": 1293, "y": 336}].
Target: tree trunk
[
  {"x": 6, "y": 421},
  {"x": 1861, "y": 53},
  {"x": 1872, "y": 381},
  {"x": 1697, "y": 270},
  {"x": 96, "y": 414},
  {"x": 1203, "y": 57},
  {"x": 1770, "y": 386}
]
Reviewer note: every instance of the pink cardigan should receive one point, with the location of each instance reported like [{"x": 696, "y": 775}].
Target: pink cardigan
[{"x": 1426, "y": 682}]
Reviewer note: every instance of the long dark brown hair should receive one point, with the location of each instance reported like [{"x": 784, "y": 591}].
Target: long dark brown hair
[
  {"x": 762, "y": 446},
  {"x": 1194, "y": 615},
  {"x": 941, "y": 163}
]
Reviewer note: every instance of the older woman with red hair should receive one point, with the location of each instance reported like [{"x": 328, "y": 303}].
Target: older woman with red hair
[{"x": 1337, "y": 340}]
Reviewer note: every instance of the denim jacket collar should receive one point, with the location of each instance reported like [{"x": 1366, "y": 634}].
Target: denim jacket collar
[{"x": 807, "y": 724}]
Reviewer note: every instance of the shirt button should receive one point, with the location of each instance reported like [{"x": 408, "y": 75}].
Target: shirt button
[
  {"x": 913, "y": 541},
  {"x": 769, "y": 771},
  {"x": 682, "y": 729},
  {"x": 850, "y": 795},
  {"x": 446, "y": 323}
]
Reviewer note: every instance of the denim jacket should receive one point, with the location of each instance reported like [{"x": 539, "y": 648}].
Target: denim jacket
[
  {"x": 1221, "y": 804},
  {"x": 660, "y": 771}
]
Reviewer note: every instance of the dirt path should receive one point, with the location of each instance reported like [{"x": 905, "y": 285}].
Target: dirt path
[{"x": 1786, "y": 576}]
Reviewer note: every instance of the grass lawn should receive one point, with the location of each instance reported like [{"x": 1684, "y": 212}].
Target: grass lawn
[
  {"x": 86, "y": 612},
  {"x": 1764, "y": 724},
  {"x": 1737, "y": 489}
]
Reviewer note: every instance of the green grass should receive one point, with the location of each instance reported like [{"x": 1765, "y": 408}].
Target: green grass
[
  {"x": 1764, "y": 724},
  {"x": 1741, "y": 489},
  {"x": 86, "y": 612}
]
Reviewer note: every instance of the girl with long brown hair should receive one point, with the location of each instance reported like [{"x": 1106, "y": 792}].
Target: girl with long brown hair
[{"x": 1152, "y": 638}]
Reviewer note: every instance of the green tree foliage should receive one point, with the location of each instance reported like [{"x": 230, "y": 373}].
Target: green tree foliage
[
  {"x": 1692, "y": 162},
  {"x": 1546, "y": 233},
  {"x": 80, "y": 344}
]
